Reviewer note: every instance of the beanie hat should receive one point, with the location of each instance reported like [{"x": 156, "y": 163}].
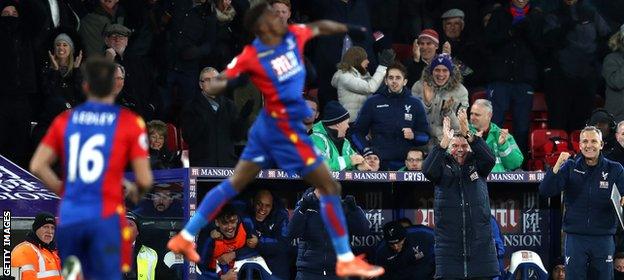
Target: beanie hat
[
  {"x": 369, "y": 151},
  {"x": 393, "y": 232},
  {"x": 600, "y": 116},
  {"x": 42, "y": 219},
  {"x": 64, "y": 38},
  {"x": 442, "y": 59},
  {"x": 131, "y": 216},
  {"x": 334, "y": 113},
  {"x": 430, "y": 34},
  {"x": 6, "y": 3}
]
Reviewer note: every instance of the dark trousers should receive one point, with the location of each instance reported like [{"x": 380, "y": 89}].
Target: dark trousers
[
  {"x": 15, "y": 128},
  {"x": 186, "y": 85},
  {"x": 587, "y": 254},
  {"x": 570, "y": 100},
  {"x": 518, "y": 97},
  {"x": 476, "y": 278},
  {"x": 306, "y": 275}
]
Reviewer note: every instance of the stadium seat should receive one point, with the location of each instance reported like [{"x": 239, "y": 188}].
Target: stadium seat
[
  {"x": 403, "y": 51},
  {"x": 312, "y": 92},
  {"x": 539, "y": 114},
  {"x": 575, "y": 139},
  {"x": 481, "y": 94},
  {"x": 542, "y": 148},
  {"x": 172, "y": 137}
]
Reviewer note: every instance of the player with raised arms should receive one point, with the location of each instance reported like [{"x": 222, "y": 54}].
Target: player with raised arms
[{"x": 274, "y": 63}]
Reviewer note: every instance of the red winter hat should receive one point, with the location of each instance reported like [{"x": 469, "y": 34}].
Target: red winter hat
[{"x": 430, "y": 34}]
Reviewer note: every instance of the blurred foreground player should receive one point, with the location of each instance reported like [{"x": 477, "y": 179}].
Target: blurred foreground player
[
  {"x": 274, "y": 62},
  {"x": 94, "y": 143}
]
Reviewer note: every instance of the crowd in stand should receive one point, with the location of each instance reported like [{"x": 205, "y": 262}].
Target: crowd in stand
[
  {"x": 379, "y": 101},
  {"x": 169, "y": 51}
]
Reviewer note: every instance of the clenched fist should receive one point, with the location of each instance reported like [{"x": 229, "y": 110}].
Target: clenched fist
[{"x": 562, "y": 158}]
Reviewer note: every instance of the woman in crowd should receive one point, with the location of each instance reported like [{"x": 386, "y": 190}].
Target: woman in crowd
[
  {"x": 160, "y": 156},
  {"x": 354, "y": 83},
  {"x": 61, "y": 82}
]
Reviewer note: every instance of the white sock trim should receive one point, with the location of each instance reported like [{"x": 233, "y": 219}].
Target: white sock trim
[
  {"x": 346, "y": 257},
  {"x": 187, "y": 236}
]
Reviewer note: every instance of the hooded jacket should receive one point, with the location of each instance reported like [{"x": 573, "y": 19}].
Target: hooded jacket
[
  {"x": 315, "y": 250},
  {"x": 587, "y": 194},
  {"x": 354, "y": 88},
  {"x": 384, "y": 115},
  {"x": 464, "y": 247},
  {"x": 415, "y": 261},
  {"x": 442, "y": 94},
  {"x": 337, "y": 160}
]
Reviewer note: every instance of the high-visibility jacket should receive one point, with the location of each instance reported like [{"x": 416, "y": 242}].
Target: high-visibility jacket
[
  {"x": 146, "y": 263},
  {"x": 36, "y": 262}
]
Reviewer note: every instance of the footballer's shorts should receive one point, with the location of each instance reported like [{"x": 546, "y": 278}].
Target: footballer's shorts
[
  {"x": 282, "y": 143},
  {"x": 102, "y": 246}
]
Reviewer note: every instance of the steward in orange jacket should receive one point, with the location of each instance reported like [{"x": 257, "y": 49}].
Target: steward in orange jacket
[{"x": 37, "y": 256}]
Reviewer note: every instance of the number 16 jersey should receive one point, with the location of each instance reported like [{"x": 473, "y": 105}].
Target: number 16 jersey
[{"x": 94, "y": 143}]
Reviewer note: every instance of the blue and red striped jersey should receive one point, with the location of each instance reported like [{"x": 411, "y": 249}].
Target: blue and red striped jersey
[
  {"x": 278, "y": 72},
  {"x": 95, "y": 142}
]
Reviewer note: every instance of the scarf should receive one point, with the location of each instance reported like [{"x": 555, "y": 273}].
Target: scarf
[
  {"x": 518, "y": 14},
  {"x": 227, "y": 15}
]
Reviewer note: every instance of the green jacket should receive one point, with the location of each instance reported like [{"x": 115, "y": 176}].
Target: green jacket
[
  {"x": 508, "y": 156},
  {"x": 336, "y": 161}
]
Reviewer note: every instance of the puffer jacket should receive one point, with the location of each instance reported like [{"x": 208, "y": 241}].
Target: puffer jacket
[
  {"x": 588, "y": 208},
  {"x": 353, "y": 88},
  {"x": 315, "y": 253},
  {"x": 435, "y": 115},
  {"x": 613, "y": 73},
  {"x": 464, "y": 247}
]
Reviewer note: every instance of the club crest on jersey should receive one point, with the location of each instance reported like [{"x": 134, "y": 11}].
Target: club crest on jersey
[
  {"x": 290, "y": 43},
  {"x": 286, "y": 66}
]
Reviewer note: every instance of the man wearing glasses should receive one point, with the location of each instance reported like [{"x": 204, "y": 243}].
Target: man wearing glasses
[{"x": 413, "y": 160}]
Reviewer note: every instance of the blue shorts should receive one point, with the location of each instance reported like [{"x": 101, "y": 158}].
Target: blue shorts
[
  {"x": 283, "y": 143},
  {"x": 98, "y": 244}
]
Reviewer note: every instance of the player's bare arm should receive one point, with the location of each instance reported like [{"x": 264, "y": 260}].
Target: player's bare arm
[{"x": 41, "y": 166}]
